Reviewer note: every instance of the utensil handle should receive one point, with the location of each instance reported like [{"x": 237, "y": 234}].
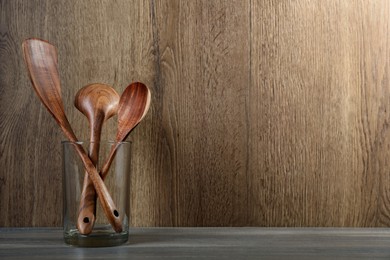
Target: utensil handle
[
  {"x": 87, "y": 209},
  {"x": 107, "y": 164},
  {"x": 108, "y": 205}
]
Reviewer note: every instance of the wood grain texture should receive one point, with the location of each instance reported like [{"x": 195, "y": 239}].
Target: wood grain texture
[
  {"x": 264, "y": 113},
  {"x": 204, "y": 68},
  {"x": 23, "y": 157},
  {"x": 318, "y": 113}
]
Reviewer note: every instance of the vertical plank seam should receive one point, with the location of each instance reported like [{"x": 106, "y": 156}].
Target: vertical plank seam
[
  {"x": 159, "y": 94},
  {"x": 247, "y": 117},
  {"x": 156, "y": 47},
  {"x": 156, "y": 81}
]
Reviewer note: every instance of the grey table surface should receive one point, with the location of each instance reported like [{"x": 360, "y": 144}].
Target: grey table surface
[{"x": 206, "y": 243}]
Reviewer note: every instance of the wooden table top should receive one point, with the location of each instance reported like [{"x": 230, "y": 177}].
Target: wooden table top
[{"x": 206, "y": 243}]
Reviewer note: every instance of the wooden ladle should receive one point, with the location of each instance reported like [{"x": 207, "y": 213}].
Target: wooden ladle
[
  {"x": 41, "y": 60},
  {"x": 98, "y": 102}
]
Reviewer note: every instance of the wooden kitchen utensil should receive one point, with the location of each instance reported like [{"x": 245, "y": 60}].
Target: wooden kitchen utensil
[
  {"x": 98, "y": 102},
  {"x": 41, "y": 60},
  {"x": 133, "y": 106}
]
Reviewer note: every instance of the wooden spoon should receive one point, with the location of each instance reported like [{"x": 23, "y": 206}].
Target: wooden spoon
[
  {"x": 133, "y": 106},
  {"x": 41, "y": 60},
  {"x": 98, "y": 102}
]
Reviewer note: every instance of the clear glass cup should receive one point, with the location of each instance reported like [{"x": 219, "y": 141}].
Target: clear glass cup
[{"x": 117, "y": 183}]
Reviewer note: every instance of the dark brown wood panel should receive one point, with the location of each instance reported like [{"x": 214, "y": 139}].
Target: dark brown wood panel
[
  {"x": 204, "y": 68},
  {"x": 30, "y": 185},
  {"x": 318, "y": 113},
  {"x": 264, "y": 113}
]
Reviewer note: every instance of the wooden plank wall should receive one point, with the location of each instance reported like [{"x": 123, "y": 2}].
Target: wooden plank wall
[{"x": 264, "y": 113}]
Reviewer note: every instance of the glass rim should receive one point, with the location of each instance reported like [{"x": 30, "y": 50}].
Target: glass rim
[{"x": 101, "y": 141}]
